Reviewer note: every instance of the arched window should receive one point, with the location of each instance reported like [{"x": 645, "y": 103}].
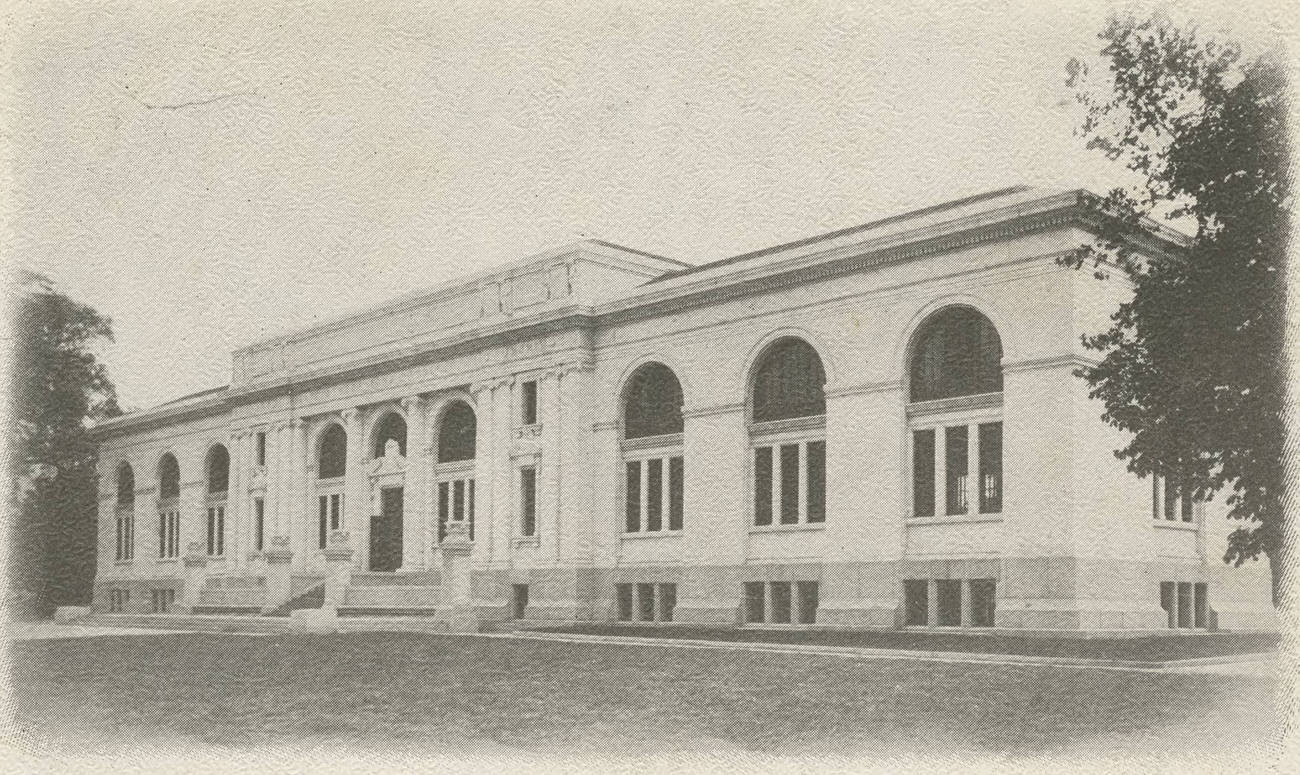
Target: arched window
[
  {"x": 788, "y": 382},
  {"x": 169, "y": 515},
  {"x": 125, "y": 516},
  {"x": 653, "y": 463},
  {"x": 169, "y": 477},
  {"x": 125, "y": 485},
  {"x": 218, "y": 470},
  {"x": 393, "y": 427},
  {"x": 457, "y": 433},
  {"x": 957, "y": 353},
  {"x": 956, "y": 451},
  {"x": 218, "y": 483},
  {"x": 789, "y": 458},
  {"x": 331, "y": 467},
  {"x": 652, "y": 403},
  {"x": 333, "y": 459}
]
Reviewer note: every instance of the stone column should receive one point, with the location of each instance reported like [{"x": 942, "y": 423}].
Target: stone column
[
  {"x": 337, "y": 555},
  {"x": 503, "y": 506},
  {"x": 548, "y": 501},
  {"x": 456, "y": 607},
  {"x": 355, "y": 509},
  {"x": 297, "y": 492},
  {"x": 196, "y": 562},
  {"x": 275, "y": 479},
  {"x": 236, "y": 502},
  {"x": 279, "y": 573},
  {"x": 414, "y": 513}
]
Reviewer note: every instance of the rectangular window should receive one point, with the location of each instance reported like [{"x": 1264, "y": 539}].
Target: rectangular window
[
  {"x": 261, "y": 448},
  {"x": 1171, "y": 499},
  {"x": 528, "y": 403},
  {"x": 990, "y": 442},
  {"x": 983, "y": 594},
  {"x": 1168, "y": 593},
  {"x": 444, "y": 509},
  {"x": 469, "y": 508},
  {"x": 667, "y": 601},
  {"x": 949, "y": 594},
  {"x": 118, "y": 600},
  {"x": 781, "y": 603},
  {"x": 216, "y": 530},
  {"x": 519, "y": 601},
  {"x": 458, "y": 500},
  {"x": 1155, "y": 497},
  {"x": 754, "y": 602},
  {"x": 954, "y": 441},
  {"x": 654, "y": 512},
  {"x": 1184, "y": 605},
  {"x": 808, "y": 602},
  {"x": 763, "y": 486},
  {"x": 816, "y": 481},
  {"x": 259, "y": 529},
  {"x": 624, "y": 594},
  {"x": 789, "y": 484},
  {"x": 1201, "y": 605},
  {"x": 645, "y": 602},
  {"x": 528, "y": 501},
  {"x": 916, "y": 601},
  {"x": 1186, "y": 505},
  {"x": 676, "y": 493},
  {"x": 923, "y": 473},
  {"x": 169, "y": 540},
  {"x": 125, "y": 536},
  {"x": 322, "y": 522},
  {"x": 336, "y": 511},
  {"x": 633, "y": 497}
]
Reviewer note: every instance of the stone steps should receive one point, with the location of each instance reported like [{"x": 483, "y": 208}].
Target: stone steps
[
  {"x": 379, "y": 579},
  {"x": 391, "y": 597},
  {"x": 233, "y": 597}
]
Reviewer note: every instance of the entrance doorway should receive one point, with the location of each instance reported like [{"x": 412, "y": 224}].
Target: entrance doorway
[{"x": 386, "y": 532}]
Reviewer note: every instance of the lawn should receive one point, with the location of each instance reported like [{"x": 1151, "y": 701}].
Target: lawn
[
  {"x": 1155, "y": 648},
  {"x": 548, "y": 697}
]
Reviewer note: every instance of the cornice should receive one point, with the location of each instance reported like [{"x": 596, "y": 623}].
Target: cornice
[{"x": 1074, "y": 208}]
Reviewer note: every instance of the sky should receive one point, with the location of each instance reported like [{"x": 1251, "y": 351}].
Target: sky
[{"x": 211, "y": 175}]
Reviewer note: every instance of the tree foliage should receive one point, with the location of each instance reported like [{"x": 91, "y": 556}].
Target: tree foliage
[
  {"x": 58, "y": 388},
  {"x": 1193, "y": 366}
]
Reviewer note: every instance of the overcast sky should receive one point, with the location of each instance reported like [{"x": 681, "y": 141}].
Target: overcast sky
[{"x": 211, "y": 177}]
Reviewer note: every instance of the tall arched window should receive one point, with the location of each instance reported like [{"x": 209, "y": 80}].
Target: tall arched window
[
  {"x": 787, "y": 409},
  {"x": 333, "y": 459},
  {"x": 653, "y": 463},
  {"x": 218, "y": 476},
  {"x": 169, "y": 514},
  {"x": 331, "y": 467},
  {"x": 957, "y": 353},
  {"x": 956, "y": 454},
  {"x": 393, "y": 427},
  {"x": 457, "y": 439},
  {"x": 125, "y": 513}
]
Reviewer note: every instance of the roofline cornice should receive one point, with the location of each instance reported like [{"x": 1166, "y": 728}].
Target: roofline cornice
[{"x": 1072, "y": 208}]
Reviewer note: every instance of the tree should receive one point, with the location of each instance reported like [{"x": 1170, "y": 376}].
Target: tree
[
  {"x": 1193, "y": 366},
  {"x": 58, "y": 389}
]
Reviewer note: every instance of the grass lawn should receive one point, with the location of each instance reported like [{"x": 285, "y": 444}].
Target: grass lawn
[
  {"x": 464, "y": 694},
  {"x": 1157, "y": 648}
]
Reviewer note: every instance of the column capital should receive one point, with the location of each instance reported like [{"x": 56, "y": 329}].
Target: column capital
[
  {"x": 491, "y": 383},
  {"x": 411, "y": 403},
  {"x": 350, "y": 415}
]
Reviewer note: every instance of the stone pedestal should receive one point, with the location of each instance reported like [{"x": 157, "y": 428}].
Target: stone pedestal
[
  {"x": 196, "y": 574},
  {"x": 337, "y": 555},
  {"x": 457, "y": 605},
  {"x": 279, "y": 573}
]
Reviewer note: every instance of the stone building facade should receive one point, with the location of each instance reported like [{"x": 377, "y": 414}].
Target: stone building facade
[{"x": 878, "y": 427}]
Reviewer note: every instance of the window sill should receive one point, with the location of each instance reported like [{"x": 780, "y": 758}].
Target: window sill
[
  {"x": 168, "y": 560},
  {"x": 527, "y": 541},
  {"x": 955, "y": 519},
  {"x": 795, "y": 527},
  {"x": 1187, "y": 527},
  {"x": 123, "y": 562},
  {"x": 650, "y": 534}
]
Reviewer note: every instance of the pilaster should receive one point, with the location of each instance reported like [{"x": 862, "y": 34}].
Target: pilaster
[
  {"x": 355, "y": 501},
  {"x": 414, "y": 510},
  {"x": 297, "y": 492}
]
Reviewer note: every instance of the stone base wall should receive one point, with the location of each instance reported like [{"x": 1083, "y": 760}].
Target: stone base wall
[
  {"x": 1038, "y": 593},
  {"x": 139, "y": 599}
]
